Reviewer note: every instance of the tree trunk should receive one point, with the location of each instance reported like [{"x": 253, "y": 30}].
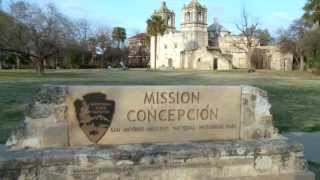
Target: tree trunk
[
  {"x": 82, "y": 57},
  {"x": 37, "y": 66},
  {"x": 93, "y": 56},
  {"x": 301, "y": 63},
  {"x": 55, "y": 62},
  {"x": 45, "y": 64},
  {"x": 315, "y": 52},
  {"x": 155, "y": 51},
  {"x": 18, "y": 62},
  {"x": 250, "y": 67},
  {"x": 40, "y": 66}
]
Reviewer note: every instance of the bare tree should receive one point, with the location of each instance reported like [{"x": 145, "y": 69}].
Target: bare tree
[
  {"x": 42, "y": 33},
  {"x": 14, "y": 35},
  {"x": 247, "y": 41},
  {"x": 103, "y": 42},
  {"x": 92, "y": 43},
  {"x": 83, "y": 30},
  {"x": 291, "y": 40},
  {"x": 311, "y": 43}
]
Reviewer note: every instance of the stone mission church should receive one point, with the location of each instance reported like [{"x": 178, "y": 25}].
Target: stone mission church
[{"x": 190, "y": 49}]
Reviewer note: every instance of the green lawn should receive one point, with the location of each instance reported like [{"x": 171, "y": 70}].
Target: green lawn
[{"x": 295, "y": 97}]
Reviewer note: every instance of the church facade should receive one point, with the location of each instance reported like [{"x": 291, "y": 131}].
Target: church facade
[{"x": 190, "y": 49}]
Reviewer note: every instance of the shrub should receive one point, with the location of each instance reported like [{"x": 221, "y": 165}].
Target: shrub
[{"x": 314, "y": 64}]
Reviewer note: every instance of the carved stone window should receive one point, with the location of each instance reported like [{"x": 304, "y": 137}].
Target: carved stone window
[
  {"x": 200, "y": 16},
  {"x": 188, "y": 17},
  {"x": 169, "y": 21}
]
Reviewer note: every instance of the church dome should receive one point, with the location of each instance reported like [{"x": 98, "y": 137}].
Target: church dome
[
  {"x": 214, "y": 27},
  {"x": 194, "y": 4},
  {"x": 164, "y": 8}
]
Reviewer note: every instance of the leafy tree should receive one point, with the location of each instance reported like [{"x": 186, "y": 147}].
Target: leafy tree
[
  {"x": 156, "y": 26},
  {"x": 73, "y": 55},
  {"x": 312, "y": 11},
  {"x": 311, "y": 47},
  {"x": 115, "y": 55},
  {"x": 264, "y": 37},
  {"x": 119, "y": 35}
]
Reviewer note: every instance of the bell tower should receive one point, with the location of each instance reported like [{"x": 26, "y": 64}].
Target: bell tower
[
  {"x": 167, "y": 15},
  {"x": 194, "y": 25}
]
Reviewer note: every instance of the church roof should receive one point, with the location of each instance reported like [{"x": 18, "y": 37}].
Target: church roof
[
  {"x": 138, "y": 36},
  {"x": 164, "y": 8},
  {"x": 194, "y": 4}
]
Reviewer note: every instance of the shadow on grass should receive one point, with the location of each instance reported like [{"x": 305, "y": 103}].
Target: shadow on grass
[
  {"x": 295, "y": 108},
  {"x": 315, "y": 167}
]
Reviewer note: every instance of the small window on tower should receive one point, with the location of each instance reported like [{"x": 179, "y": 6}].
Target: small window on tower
[
  {"x": 188, "y": 16},
  {"x": 199, "y": 60},
  {"x": 176, "y": 45},
  {"x": 165, "y": 46},
  {"x": 200, "y": 16},
  {"x": 169, "y": 21}
]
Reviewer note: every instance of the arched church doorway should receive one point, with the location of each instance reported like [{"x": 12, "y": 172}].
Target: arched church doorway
[{"x": 170, "y": 63}]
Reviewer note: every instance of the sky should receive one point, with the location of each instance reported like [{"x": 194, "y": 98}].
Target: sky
[{"x": 132, "y": 14}]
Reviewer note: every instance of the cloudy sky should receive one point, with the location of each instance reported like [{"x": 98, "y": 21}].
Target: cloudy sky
[{"x": 132, "y": 14}]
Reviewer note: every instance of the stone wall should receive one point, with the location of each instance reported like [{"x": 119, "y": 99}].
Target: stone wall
[
  {"x": 245, "y": 160},
  {"x": 169, "y": 46},
  {"x": 203, "y": 59},
  {"x": 278, "y": 60},
  {"x": 233, "y": 45},
  {"x": 45, "y": 123}
]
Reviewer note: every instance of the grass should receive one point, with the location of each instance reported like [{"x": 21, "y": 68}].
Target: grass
[{"x": 295, "y": 96}]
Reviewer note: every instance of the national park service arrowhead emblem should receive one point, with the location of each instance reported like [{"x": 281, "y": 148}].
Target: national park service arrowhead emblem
[{"x": 94, "y": 114}]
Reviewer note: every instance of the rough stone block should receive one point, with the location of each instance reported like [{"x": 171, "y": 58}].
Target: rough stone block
[
  {"x": 191, "y": 161},
  {"x": 55, "y": 136}
]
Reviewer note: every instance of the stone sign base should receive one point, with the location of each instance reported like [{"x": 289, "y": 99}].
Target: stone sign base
[{"x": 232, "y": 160}]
